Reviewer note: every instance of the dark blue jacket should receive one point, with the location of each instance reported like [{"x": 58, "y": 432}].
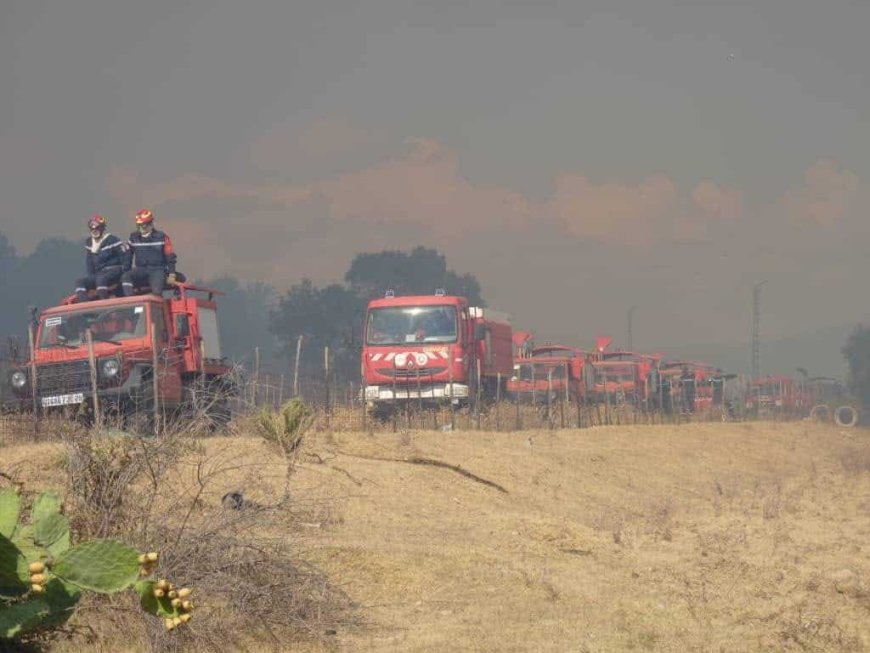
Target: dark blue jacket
[
  {"x": 111, "y": 252},
  {"x": 153, "y": 252}
]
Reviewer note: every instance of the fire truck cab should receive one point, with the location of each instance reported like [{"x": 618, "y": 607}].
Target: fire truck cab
[
  {"x": 104, "y": 352},
  {"x": 433, "y": 347}
]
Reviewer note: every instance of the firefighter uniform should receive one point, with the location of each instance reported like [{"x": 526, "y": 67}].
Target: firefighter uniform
[
  {"x": 104, "y": 260},
  {"x": 150, "y": 258}
]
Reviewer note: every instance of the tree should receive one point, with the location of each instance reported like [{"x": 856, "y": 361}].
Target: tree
[
  {"x": 418, "y": 272},
  {"x": 42, "y": 278},
  {"x": 329, "y": 316},
  {"x": 857, "y": 353}
]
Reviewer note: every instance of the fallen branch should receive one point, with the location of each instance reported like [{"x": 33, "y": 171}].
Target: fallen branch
[{"x": 415, "y": 460}]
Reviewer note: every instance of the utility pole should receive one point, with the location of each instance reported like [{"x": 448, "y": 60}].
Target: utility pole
[
  {"x": 630, "y": 334},
  {"x": 756, "y": 329}
]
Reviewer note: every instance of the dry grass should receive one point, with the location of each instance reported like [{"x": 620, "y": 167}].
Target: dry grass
[
  {"x": 698, "y": 537},
  {"x": 241, "y": 557},
  {"x": 718, "y": 537}
]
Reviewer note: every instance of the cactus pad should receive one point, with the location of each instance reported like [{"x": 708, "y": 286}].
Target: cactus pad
[
  {"x": 61, "y": 599},
  {"x": 10, "y": 504},
  {"x": 47, "y": 503},
  {"x": 12, "y": 566},
  {"x": 21, "y": 617},
  {"x": 50, "y": 529},
  {"x": 101, "y": 566}
]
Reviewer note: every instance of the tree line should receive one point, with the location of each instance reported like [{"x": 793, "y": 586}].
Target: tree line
[{"x": 252, "y": 314}]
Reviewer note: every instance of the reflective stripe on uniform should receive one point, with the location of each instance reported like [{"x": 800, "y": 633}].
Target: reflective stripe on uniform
[{"x": 154, "y": 244}]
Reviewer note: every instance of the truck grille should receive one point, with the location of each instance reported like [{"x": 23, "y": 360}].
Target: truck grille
[
  {"x": 404, "y": 373},
  {"x": 63, "y": 378}
]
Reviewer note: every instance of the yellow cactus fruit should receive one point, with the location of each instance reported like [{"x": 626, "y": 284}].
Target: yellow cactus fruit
[
  {"x": 37, "y": 588},
  {"x": 184, "y": 592},
  {"x": 152, "y": 557},
  {"x": 36, "y": 567},
  {"x": 169, "y": 623},
  {"x": 143, "y": 559},
  {"x": 184, "y": 618},
  {"x": 163, "y": 584},
  {"x": 159, "y": 593},
  {"x": 176, "y": 621},
  {"x": 187, "y": 606},
  {"x": 38, "y": 579},
  {"x": 173, "y": 594},
  {"x": 176, "y": 603}
]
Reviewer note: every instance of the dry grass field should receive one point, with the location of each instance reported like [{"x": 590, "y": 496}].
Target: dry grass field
[{"x": 700, "y": 537}]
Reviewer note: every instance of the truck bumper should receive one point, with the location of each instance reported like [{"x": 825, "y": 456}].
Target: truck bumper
[{"x": 405, "y": 392}]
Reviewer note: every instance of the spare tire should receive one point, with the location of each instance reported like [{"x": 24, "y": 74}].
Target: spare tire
[
  {"x": 846, "y": 416},
  {"x": 820, "y": 413}
]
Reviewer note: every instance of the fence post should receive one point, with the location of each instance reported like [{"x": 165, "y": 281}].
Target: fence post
[
  {"x": 33, "y": 381},
  {"x": 155, "y": 382},
  {"x": 497, "y": 401},
  {"x": 450, "y": 399},
  {"x": 296, "y": 367},
  {"x": 92, "y": 364},
  {"x": 326, "y": 379},
  {"x": 255, "y": 390},
  {"x": 518, "y": 423},
  {"x": 550, "y": 399},
  {"x": 478, "y": 393}
]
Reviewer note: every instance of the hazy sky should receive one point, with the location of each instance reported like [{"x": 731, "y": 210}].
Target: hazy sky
[{"x": 578, "y": 157}]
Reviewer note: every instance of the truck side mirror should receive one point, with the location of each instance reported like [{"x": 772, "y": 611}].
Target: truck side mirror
[{"x": 479, "y": 331}]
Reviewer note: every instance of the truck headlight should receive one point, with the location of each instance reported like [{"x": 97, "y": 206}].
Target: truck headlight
[
  {"x": 18, "y": 380},
  {"x": 110, "y": 368}
]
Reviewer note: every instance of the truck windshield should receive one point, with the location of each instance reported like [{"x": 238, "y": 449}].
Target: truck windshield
[
  {"x": 411, "y": 324},
  {"x": 107, "y": 325}
]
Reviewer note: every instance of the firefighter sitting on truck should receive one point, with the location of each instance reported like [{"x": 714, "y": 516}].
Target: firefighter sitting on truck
[
  {"x": 150, "y": 257},
  {"x": 104, "y": 260}
]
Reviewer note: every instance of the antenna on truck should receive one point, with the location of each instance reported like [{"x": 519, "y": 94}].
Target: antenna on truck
[
  {"x": 440, "y": 292},
  {"x": 390, "y": 293}
]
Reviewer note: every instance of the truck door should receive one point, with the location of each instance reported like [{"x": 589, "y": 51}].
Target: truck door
[{"x": 168, "y": 357}]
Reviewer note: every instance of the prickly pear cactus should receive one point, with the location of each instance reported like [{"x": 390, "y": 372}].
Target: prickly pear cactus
[
  {"x": 10, "y": 504},
  {"x": 42, "y": 577},
  {"x": 104, "y": 566}
]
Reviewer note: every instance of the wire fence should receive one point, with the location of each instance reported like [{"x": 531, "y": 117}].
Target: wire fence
[{"x": 74, "y": 391}]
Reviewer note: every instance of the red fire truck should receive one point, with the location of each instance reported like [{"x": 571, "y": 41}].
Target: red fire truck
[
  {"x": 707, "y": 383},
  {"x": 104, "y": 352},
  {"x": 556, "y": 371},
  {"x": 623, "y": 377},
  {"x": 433, "y": 348}
]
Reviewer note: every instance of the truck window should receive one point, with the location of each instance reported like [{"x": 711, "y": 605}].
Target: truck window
[
  {"x": 113, "y": 324},
  {"x": 208, "y": 329}
]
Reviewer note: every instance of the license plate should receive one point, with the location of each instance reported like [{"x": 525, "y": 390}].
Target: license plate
[{"x": 63, "y": 400}]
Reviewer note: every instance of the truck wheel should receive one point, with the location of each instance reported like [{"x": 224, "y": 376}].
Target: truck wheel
[
  {"x": 820, "y": 413},
  {"x": 382, "y": 412},
  {"x": 846, "y": 416}
]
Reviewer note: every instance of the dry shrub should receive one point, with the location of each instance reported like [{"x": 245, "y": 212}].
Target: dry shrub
[{"x": 241, "y": 556}]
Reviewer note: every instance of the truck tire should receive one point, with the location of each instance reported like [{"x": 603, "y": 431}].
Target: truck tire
[
  {"x": 846, "y": 416},
  {"x": 820, "y": 413}
]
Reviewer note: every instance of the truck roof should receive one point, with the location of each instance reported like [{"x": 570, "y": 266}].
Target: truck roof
[{"x": 418, "y": 300}]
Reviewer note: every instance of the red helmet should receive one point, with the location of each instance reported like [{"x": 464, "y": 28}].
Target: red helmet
[
  {"x": 144, "y": 217},
  {"x": 96, "y": 222}
]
